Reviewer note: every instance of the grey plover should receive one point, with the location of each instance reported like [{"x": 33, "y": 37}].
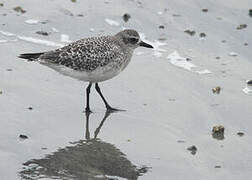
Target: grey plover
[{"x": 93, "y": 59}]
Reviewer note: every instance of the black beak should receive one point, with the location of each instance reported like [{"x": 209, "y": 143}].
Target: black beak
[{"x": 145, "y": 45}]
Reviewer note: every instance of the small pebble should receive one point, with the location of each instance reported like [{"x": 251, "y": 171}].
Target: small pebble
[
  {"x": 176, "y": 15},
  {"x": 250, "y": 12},
  {"x": 44, "y": 148},
  {"x": 218, "y": 132},
  {"x": 216, "y": 90},
  {"x": 1, "y": 4},
  {"x": 202, "y": 35},
  {"x": 161, "y": 27},
  {"x": 162, "y": 39},
  {"x": 190, "y": 32},
  {"x": 74, "y": 1},
  {"x": 217, "y": 166},
  {"x": 218, "y": 57},
  {"x": 245, "y": 44},
  {"x": 43, "y": 33},
  {"x": 223, "y": 41},
  {"x": 204, "y": 10},
  {"x": 193, "y": 149},
  {"x": 19, "y": 9},
  {"x": 30, "y": 108},
  {"x": 22, "y": 136},
  {"x": 249, "y": 82},
  {"x": 1, "y": 92},
  {"x": 240, "y": 134},
  {"x": 180, "y": 141},
  {"x": 8, "y": 69},
  {"x": 126, "y": 17},
  {"x": 241, "y": 26}
]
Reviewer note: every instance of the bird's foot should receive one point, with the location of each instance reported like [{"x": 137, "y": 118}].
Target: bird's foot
[{"x": 111, "y": 110}]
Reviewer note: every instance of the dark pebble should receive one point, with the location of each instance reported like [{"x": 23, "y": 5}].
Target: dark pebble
[
  {"x": 204, "y": 10},
  {"x": 192, "y": 33},
  {"x": 8, "y": 69},
  {"x": 1, "y": 4},
  {"x": 240, "y": 134},
  {"x": 217, "y": 166},
  {"x": 245, "y": 44},
  {"x": 218, "y": 57},
  {"x": 176, "y": 15},
  {"x": 180, "y": 141},
  {"x": 30, "y": 108},
  {"x": 249, "y": 82},
  {"x": 218, "y": 132},
  {"x": 43, "y": 33},
  {"x": 216, "y": 90},
  {"x": 193, "y": 149},
  {"x": 80, "y": 15},
  {"x": 241, "y": 26},
  {"x": 126, "y": 17},
  {"x": 162, "y": 39},
  {"x": 202, "y": 35},
  {"x": 74, "y": 1},
  {"x": 188, "y": 59},
  {"x": 22, "y": 136},
  {"x": 161, "y": 27},
  {"x": 19, "y": 9},
  {"x": 250, "y": 12}
]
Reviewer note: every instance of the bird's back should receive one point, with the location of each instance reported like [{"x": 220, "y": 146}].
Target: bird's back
[{"x": 85, "y": 54}]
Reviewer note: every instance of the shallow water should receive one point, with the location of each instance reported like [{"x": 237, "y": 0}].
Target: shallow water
[{"x": 168, "y": 108}]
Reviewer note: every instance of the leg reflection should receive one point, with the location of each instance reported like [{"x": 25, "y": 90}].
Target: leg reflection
[{"x": 87, "y": 133}]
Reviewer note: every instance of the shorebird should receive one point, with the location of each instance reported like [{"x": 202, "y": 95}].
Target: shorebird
[{"x": 93, "y": 59}]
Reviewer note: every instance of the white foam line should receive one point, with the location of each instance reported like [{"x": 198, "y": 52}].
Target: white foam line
[
  {"x": 181, "y": 62},
  {"x": 39, "y": 41},
  {"x": 65, "y": 38},
  {"x": 55, "y": 30},
  {"x": 247, "y": 90},
  {"x": 33, "y": 40},
  {"x": 7, "y": 33},
  {"x": 3, "y": 41},
  {"x": 32, "y": 21},
  {"x": 112, "y": 22},
  {"x": 158, "y": 52}
]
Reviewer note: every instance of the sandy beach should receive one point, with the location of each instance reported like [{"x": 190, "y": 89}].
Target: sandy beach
[{"x": 167, "y": 92}]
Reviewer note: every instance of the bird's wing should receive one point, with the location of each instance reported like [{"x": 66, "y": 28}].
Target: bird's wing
[{"x": 85, "y": 55}]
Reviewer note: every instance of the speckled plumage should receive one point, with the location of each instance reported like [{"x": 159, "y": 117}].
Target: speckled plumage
[
  {"x": 92, "y": 59},
  {"x": 86, "y": 54}
]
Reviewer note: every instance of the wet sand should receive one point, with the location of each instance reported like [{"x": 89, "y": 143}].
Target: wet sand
[{"x": 168, "y": 107}]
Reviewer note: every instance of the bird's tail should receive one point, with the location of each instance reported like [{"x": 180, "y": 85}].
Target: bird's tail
[{"x": 30, "y": 56}]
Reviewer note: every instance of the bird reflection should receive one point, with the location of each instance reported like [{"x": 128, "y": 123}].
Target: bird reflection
[{"x": 91, "y": 159}]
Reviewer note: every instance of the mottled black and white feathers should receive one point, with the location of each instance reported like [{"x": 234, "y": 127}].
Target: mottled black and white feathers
[{"x": 97, "y": 58}]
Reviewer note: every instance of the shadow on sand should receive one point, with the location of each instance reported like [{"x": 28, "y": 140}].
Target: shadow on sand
[{"x": 91, "y": 159}]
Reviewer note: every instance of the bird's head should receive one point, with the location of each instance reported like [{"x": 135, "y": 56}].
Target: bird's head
[{"x": 131, "y": 38}]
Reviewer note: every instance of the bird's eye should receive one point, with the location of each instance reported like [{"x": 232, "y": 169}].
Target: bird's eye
[{"x": 133, "y": 40}]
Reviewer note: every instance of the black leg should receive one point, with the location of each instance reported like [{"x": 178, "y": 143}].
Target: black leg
[
  {"x": 109, "y": 108},
  {"x": 87, "y": 95}
]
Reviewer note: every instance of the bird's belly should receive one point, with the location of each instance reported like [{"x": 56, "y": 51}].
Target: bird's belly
[{"x": 99, "y": 74}]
